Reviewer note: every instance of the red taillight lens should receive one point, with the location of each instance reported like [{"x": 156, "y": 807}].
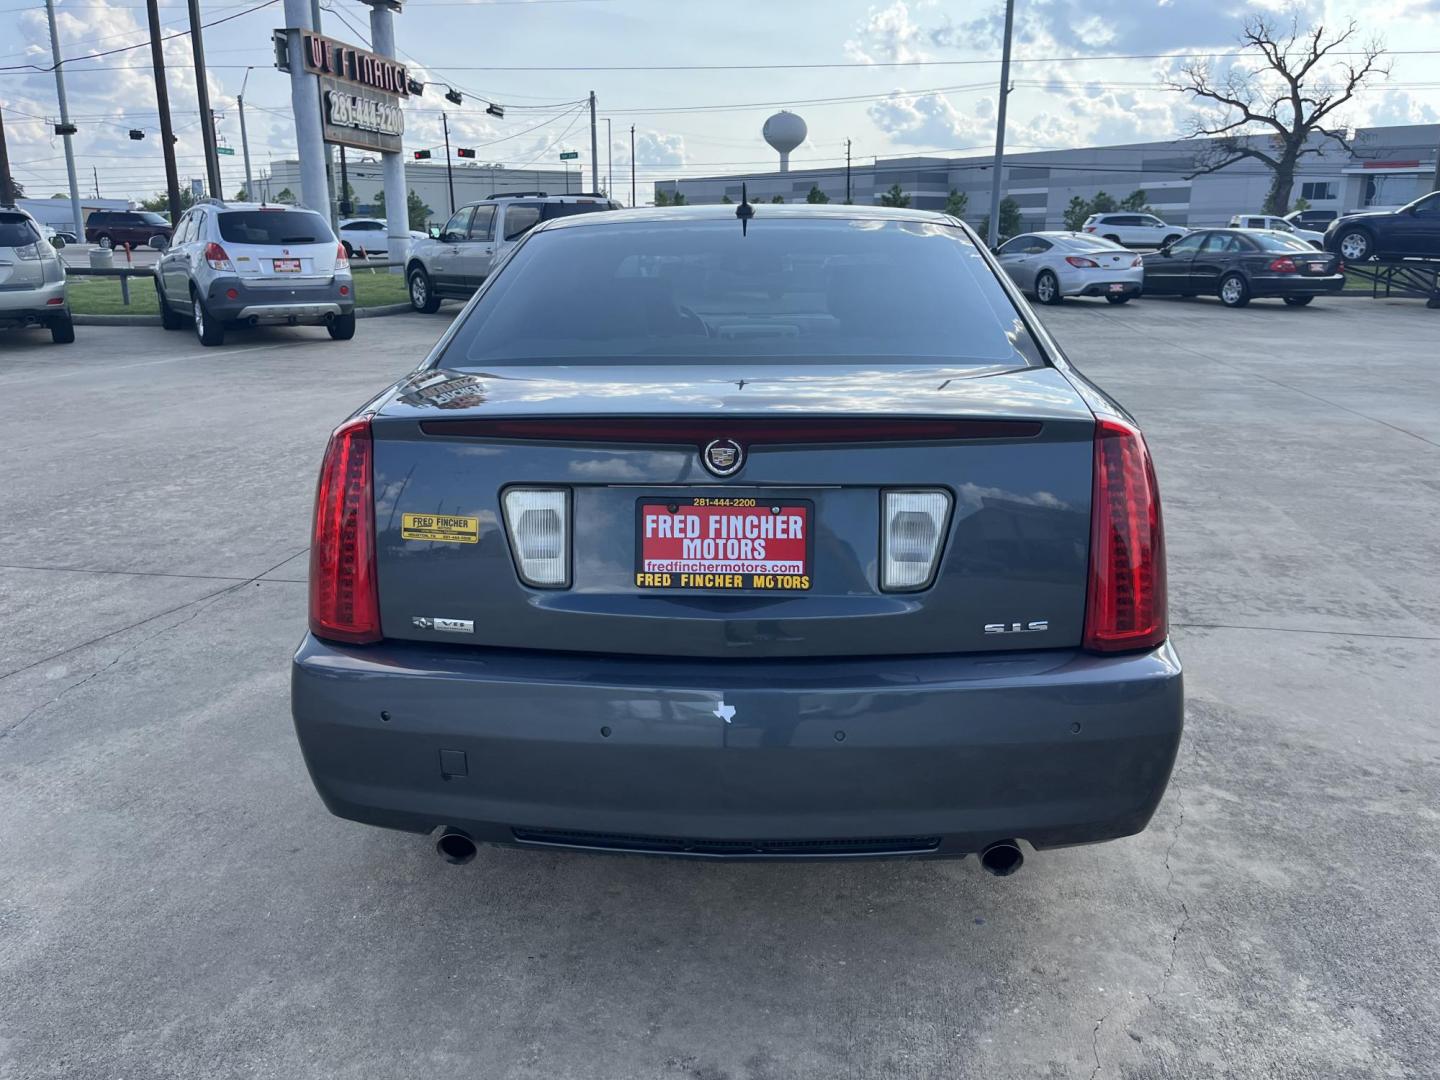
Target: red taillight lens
[
  {"x": 344, "y": 602},
  {"x": 342, "y": 260},
  {"x": 1126, "y": 605},
  {"x": 1089, "y": 228},
  {"x": 217, "y": 258},
  {"x": 1283, "y": 265},
  {"x": 1339, "y": 268},
  {"x": 1081, "y": 261}
]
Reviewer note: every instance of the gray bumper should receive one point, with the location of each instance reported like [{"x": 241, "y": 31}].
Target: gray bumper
[
  {"x": 303, "y": 303},
  {"x": 922, "y": 755}
]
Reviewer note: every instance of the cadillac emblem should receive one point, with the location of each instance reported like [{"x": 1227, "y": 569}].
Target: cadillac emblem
[{"x": 723, "y": 457}]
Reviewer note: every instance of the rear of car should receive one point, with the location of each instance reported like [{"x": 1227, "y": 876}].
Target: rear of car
[
  {"x": 32, "y": 279},
  {"x": 1053, "y": 265},
  {"x": 1285, "y": 266},
  {"x": 241, "y": 264},
  {"x": 1270, "y": 223},
  {"x": 778, "y": 538}
]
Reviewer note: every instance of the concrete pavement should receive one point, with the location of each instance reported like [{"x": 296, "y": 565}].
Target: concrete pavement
[{"x": 175, "y": 902}]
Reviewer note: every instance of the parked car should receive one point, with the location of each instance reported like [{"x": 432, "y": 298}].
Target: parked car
[
  {"x": 1133, "y": 230},
  {"x": 32, "y": 278},
  {"x": 1271, "y": 223},
  {"x": 370, "y": 236},
  {"x": 1053, "y": 265},
  {"x": 478, "y": 236},
  {"x": 795, "y": 535},
  {"x": 116, "y": 228},
  {"x": 1240, "y": 265},
  {"x": 1314, "y": 220},
  {"x": 244, "y": 263},
  {"x": 1410, "y": 231}
]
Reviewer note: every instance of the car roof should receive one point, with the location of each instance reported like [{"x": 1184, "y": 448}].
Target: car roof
[{"x": 726, "y": 212}]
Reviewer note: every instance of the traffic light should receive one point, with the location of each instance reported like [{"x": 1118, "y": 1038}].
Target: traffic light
[
  {"x": 454, "y": 97},
  {"x": 464, "y": 151},
  {"x": 136, "y": 134},
  {"x": 497, "y": 111},
  {"x": 422, "y": 155}
]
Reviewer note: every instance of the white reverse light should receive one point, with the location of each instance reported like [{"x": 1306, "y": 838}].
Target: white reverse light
[
  {"x": 538, "y": 521},
  {"x": 912, "y": 536}
]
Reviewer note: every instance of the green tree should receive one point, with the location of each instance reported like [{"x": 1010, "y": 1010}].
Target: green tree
[
  {"x": 894, "y": 197},
  {"x": 160, "y": 202},
  {"x": 665, "y": 198},
  {"x": 1009, "y": 218},
  {"x": 1076, "y": 213},
  {"x": 1103, "y": 203},
  {"x": 285, "y": 196},
  {"x": 1300, "y": 204},
  {"x": 956, "y": 203},
  {"x": 17, "y": 187},
  {"x": 816, "y": 195},
  {"x": 416, "y": 211},
  {"x": 1135, "y": 201},
  {"x": 727, "y": 200},
  {"x": 777, "y": 198}
]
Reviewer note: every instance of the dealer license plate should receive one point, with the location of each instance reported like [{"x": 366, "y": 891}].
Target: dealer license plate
[
  {"x": 1117, "y": 288},
  {"x": 287, "y": 266},
  {"x": 730, "y": 545}
]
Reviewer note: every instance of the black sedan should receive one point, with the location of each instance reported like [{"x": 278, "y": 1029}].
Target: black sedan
[
  {"x": 1413, "y": 231},
  {"x": 1239, "y": 265}
]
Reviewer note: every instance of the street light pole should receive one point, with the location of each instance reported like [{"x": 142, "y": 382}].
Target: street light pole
[
  {"x": 632, "y": 166},
  {"x": 999, "y": 167},
  {"x": 594, "y": 147},
  {"x": 609, "y": 160},
  {"x": 847, "y": 172},
  {"x": 79, "y": 221},
  {"x": 202, "y": 88},
  {"x": 244, "y": 141}
]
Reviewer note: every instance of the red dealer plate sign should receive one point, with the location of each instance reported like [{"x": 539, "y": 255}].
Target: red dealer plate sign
[{"x": 725, "y": 544}]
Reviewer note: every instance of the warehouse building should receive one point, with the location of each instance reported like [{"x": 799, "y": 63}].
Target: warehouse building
[{"x": 1387, "y": 167}]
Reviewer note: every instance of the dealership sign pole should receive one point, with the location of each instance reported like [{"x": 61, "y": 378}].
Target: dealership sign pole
[{"x": 397, "y": 196}]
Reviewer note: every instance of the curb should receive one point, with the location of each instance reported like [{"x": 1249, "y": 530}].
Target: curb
[{"x": 154, "y": 320}]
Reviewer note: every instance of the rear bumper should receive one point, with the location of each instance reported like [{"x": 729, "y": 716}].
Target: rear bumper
[
  {"x": 33, "y": 306},
  {"x": 1107, "y": 288},
  {"x": 1296, "y": 285},
  {"x": 896, "y": 755},
  {"x": 279, "y": 304}
]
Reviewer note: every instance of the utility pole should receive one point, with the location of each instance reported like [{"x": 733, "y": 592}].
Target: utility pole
[
  {"x": 162, "y": 103},
  {"x": 449, "y": 174},
  {"x": 244, "y": 141},
  {"x": 847, "y": 172},
  {"x": 7, "y": 193},
  {"x": 594, "y": 147},
  {"x": 202, "y": 87},
  {"x": 632, "y": 163},
  {"x": 79, "y": 220},
  {"x": 96, "y": 173},
  {"x": 609, "y": 160},
  {"x": 346, "y": 209},
  {"x": 999, "y": 166}
]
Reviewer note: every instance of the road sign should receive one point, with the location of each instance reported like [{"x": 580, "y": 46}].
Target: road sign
[
  {"x": 570, "y": 155},
  {"x": 225, "y": 150}
]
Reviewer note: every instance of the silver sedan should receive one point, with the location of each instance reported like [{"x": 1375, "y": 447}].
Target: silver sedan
[{"x": 1053, "y": 265}]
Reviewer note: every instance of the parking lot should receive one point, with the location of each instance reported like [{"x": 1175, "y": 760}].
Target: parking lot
[{"x": 176, "y": 902}]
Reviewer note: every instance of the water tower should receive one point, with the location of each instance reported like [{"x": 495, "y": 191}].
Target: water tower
[{"x": 785, "y": 131}]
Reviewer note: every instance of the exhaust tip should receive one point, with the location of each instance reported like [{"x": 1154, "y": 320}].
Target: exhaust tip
[
  {"x": 1002, "y": 858},
  {"x": 455, "y": 847}
]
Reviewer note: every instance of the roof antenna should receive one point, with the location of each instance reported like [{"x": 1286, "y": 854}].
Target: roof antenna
[{"x": 744, "y": 211}]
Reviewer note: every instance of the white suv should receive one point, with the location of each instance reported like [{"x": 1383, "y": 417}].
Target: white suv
[
  {"x": 1133, "y": 230},
  {"x": 476, "y": 238}
]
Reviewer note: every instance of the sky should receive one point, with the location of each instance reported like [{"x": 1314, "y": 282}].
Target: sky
[{"x": 695, "y": 79}]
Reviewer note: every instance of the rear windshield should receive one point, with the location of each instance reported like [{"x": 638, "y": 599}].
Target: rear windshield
[
  {"x": 16, "y": 231},
  {"x": 274, "y": 227},
  {"x": 1089, "y": 243},
  {"x": 1272, "y": 241},
  {"x": 794, "y": 290}
]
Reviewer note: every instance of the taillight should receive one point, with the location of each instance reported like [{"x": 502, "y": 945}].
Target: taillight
[
  {"x": 1081, "y": 261},
  {"x": 538, "y": 521},
  {"x": 911, "y": 539},
  {"x": 1089, "y": 228},
  {"x": 1283, "y": 265},
  {"x": 217, "y": 258},
  {"x": 342, "y": 260},
  {"x": 1339, "y": 268},
  {"x": 344, "y": 601},
  {"x": 1139, "y": 260},
  {"x": 1126, "y": 605}
]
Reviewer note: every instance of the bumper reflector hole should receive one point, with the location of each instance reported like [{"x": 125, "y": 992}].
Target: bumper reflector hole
[{"x": 605, "y": 732}]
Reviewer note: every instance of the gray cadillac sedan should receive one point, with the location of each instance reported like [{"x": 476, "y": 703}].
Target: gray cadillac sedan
[{"x": 773, "y": 534}]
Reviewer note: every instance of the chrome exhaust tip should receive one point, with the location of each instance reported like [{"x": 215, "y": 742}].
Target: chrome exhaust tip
[{"x": 1002, "y": 858}]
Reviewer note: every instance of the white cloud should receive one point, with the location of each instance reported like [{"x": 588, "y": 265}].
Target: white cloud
[
  {"x": 930, "y": 120},
  {"x": 657, "y": 148},
  {"x": 1398, "y": 107},
  {"x": 887, "y": 35}
]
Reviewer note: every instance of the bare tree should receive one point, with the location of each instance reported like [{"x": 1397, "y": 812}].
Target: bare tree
[{"x": 1274, "y": 111}]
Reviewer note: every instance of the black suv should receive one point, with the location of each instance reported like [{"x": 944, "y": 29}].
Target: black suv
[
  {"x": 121, "y": 227},
  {"x": 1412, "y": 231}
]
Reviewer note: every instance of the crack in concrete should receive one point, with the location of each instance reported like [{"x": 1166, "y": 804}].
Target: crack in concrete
[
  {"x": 201, "y": 605},
  {"x": 1095, "y": 1045}
]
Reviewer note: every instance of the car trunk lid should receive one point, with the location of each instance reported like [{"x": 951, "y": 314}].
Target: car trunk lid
[{"x": 1010, "y": 450}]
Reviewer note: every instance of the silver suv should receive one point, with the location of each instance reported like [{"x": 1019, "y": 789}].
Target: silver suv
[
  {"x": 247, "y": 264},
  {"x": 32, "y": 278},
  {"x": 477, "y": 237}
]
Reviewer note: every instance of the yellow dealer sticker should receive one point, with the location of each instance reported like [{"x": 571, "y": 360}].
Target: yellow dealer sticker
[{"x": 452, "y": 530}]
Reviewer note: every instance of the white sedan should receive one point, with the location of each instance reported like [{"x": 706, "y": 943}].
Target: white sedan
[
  {"x": 1053, "y": 265},
  {"x": 370, "y": 236},
  {"x": 1278, "y": 224}
]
